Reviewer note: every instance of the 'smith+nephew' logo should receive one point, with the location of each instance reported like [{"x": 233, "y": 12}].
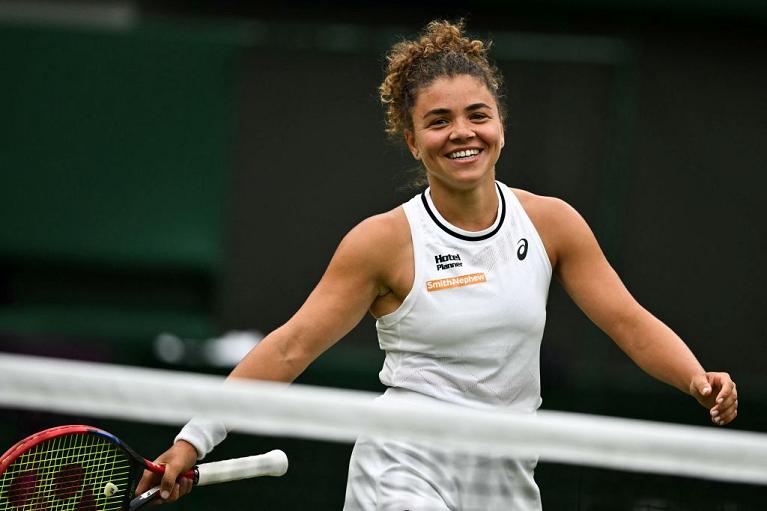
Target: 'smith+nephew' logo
[{"x": 451, "y": 282}]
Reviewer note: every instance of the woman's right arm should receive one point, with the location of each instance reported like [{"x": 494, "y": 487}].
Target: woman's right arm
[
  {"x": 354, "y": 278},
  {"x": 346, "y": 291}
]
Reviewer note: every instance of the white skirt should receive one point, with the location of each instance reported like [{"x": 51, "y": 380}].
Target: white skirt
[{"x": 386, "y": 475}]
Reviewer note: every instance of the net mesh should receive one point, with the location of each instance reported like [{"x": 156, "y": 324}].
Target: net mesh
[
  {"x": 66, "y": 473},
  {"x": 582, "y": 459}
]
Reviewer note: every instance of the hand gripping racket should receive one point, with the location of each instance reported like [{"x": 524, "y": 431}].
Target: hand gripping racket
[{"x": 82, "y": 468}]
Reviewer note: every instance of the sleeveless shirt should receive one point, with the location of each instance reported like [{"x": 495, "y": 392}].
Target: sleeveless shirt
[{"x": 469, "y": 331}]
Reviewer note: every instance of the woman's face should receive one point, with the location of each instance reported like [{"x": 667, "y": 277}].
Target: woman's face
[{"x": 457, "y": 132}]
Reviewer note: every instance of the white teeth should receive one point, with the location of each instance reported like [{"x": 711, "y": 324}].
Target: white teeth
[{"x": 463, "y": 154}]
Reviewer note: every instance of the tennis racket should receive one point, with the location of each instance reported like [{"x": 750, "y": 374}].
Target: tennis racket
[{"x": 82, "y": 468}]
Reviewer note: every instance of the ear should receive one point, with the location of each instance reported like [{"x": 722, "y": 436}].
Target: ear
[
  {"x": 410, "y": 139},
  {"x": 503, "y": 137}
]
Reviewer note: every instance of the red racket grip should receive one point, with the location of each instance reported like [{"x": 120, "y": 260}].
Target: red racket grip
[
  {"x": 160, "y": 469},
  {"x": 153, "y": 493}
]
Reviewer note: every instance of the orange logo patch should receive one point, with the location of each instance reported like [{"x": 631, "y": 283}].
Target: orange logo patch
[{"x": 460, "y": 281}]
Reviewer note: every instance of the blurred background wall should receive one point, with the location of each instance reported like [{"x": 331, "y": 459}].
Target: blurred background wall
[{"x": 188, "y": 168}]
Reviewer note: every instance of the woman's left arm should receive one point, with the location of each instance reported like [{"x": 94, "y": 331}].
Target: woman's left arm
[{"x": 595, "y": 287}]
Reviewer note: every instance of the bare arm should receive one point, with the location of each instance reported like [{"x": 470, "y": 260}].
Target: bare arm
[
  {"x": 595, "y": 287},
  {"x": 352, "y": 282},
  {"x": 340, "y": 300}
]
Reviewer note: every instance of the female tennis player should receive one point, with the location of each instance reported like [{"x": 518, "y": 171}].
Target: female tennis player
[{"x": 458, "y": 279}]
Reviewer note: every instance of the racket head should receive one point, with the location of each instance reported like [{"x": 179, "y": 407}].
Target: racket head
[{"x": 76, "y": 467}]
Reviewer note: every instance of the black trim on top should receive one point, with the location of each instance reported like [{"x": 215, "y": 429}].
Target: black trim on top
[{"x": 463, "y": 236}]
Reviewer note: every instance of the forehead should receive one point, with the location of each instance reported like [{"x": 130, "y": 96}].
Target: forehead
[{"x": 453, "y": 92}]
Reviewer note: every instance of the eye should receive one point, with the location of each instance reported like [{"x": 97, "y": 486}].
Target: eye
[
  {"x": 437, "y": 122},
  {"x": 479, "y": 116}
]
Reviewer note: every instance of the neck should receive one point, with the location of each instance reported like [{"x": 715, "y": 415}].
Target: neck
[{"x": 472, "y": 209}]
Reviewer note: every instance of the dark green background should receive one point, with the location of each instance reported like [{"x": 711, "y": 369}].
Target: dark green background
[{"x": 192, "y": 173}]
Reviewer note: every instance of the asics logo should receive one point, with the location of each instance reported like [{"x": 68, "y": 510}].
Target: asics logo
[{"x": 522, "y": 249}]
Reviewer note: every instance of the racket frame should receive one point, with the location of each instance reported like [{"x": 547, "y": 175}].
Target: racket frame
[
  {"x": 274, "y": 463},
  {"x": 30, "y": 442}
]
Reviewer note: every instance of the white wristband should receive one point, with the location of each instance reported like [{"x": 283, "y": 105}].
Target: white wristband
[{"x": 203, "y": 434}]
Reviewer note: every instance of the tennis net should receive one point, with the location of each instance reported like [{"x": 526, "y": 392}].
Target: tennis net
[{"x": 327, "y": 421}]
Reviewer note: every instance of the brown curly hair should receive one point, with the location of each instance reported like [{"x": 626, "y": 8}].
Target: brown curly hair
[{"x": 442, "y": 50}]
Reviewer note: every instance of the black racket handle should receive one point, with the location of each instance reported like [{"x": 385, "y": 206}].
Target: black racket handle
[{"x": 144, "y": 499}]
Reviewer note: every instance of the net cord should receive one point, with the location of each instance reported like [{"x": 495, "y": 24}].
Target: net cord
[{"x": 277, "y": 409}]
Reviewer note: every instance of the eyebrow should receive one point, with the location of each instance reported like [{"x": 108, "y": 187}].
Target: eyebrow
[
  {"x": 477, "y": 106},
  {"x": 443, "y": 111}
]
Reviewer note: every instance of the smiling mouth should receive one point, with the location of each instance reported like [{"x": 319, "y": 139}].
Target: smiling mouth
[{"x": 465, "y": 154}]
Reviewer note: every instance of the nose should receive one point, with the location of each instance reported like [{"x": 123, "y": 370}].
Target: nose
[{"x": 461, "y": 131}]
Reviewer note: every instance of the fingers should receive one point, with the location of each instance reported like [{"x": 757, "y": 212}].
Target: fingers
[
  {"x": 724, "y": 415},
  {"x": 169, "y": 490},
  {"x": 173, "y": 486},
  {"x": 176, "y": 461},
  {"x": 182, "y": 486},
  {"x": 725, "y": 408},
  {"x": 724, "y": 383},
  {"x": 148, "y": 480},
  {"x": 179, "y": 458},
  {"x": 700, "y": 387}
]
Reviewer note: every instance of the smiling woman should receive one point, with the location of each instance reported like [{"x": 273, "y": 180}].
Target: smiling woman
[
  {"x": 457, "y": 134},
  {"x": 458, "y": 279},
  {"x": 414, "y": 67}
]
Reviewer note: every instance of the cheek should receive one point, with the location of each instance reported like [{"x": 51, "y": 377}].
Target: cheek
[
  {"x": 494, "y": 137},
  {"x": 433, "y": 142}
]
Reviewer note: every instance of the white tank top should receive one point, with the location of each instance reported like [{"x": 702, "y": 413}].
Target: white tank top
[{"x": 469, "y": 331}]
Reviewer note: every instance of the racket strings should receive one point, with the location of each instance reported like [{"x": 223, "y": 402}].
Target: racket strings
[{"x": 69, "y": 472}]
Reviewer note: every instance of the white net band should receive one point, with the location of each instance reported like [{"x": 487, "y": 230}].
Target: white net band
[{"x": 167, "y": 397}]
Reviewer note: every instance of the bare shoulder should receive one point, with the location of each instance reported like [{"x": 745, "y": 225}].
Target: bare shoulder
[
  {"x": 390, "y": 227},
  {"x": 379, "y": 237},
  {"x": 543, "y": 208},
  {"x": 556, "y": 221}
]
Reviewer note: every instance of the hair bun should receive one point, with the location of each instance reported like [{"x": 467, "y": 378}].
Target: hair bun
[{"x": 443, "y": 36}]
